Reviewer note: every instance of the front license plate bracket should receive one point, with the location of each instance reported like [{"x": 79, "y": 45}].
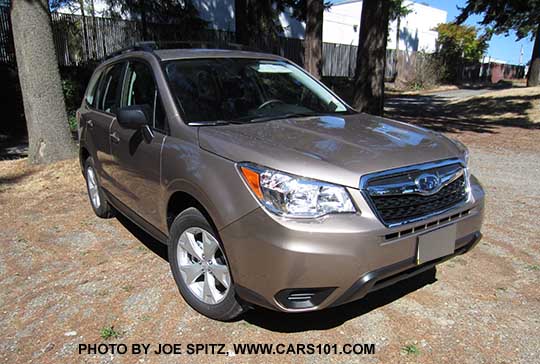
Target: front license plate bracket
[{"x": 436, "y": 244}]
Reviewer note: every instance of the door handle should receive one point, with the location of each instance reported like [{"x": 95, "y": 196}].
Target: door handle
[
  {"x": 90, "y": 124},
  {"x": 114, "y": 138}
]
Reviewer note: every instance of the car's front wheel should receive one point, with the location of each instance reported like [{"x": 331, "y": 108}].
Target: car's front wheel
[
  {"x": 200, "y": 267},
  {"x": 97, "y": 198}
]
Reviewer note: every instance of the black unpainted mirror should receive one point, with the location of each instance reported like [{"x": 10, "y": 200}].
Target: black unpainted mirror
[{"x": 132, "y": 117}]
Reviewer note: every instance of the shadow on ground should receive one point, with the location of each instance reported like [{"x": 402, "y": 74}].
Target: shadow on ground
[
  {"x": 148, "y": 240},
  {"x": 298, "y": 322},
  {"x": 13, "y": 179},
  {"x": 480, "y": 115},
  {"x": 334, "y": 317}
]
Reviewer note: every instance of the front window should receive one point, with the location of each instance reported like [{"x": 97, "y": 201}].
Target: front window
[{"x": 246, "y": 90}]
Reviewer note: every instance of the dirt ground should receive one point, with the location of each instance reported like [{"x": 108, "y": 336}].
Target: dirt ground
[{"x": 66, "y": 275}]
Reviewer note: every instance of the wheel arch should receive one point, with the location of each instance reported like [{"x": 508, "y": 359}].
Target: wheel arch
[
  {"x": 84, "y": 154},
  {"x": 179, "y": 201}
]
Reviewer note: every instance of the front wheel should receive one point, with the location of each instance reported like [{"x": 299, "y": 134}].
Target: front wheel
[
  {"x": 97, "y": 198},
  {"x": 200, "y": 267}
]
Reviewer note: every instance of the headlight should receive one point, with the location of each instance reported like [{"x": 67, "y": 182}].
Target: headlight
[
  {"x": 293, "y": 196},
  {"x": 463, "y": 149}
]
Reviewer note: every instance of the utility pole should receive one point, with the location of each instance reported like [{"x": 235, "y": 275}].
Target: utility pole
[{"x": 521, "y": 55}]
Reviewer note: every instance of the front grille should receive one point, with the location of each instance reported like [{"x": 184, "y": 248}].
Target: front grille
[
  {"x": 395, "y": 200},
  {"x": 393, "y": 209}
]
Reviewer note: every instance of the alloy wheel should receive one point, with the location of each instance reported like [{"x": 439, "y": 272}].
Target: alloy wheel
[
  {"x": 203, "y": 265},
  {"x": 93, "y": 191}
]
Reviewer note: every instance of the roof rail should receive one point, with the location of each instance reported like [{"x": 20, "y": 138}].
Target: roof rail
[
  {"x": 137, "y": 46},
  {"x": 204, "y": 44},
  {"x": 151, "y": 46}
]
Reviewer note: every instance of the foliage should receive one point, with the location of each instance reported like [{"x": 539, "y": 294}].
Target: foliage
[
  {"x": 299, "y": 7},
  {"x": 427, "y": 72},
  {"x": 460, "y": 41},
  {"x": 501, "y": 16},
  {"x": 109, "y": 333},
  {"x": 182, "y": 13},
  {"x": 410, "y": 349},
  {"x": 162, "y": 11},
  {"x": 457, "y": 44},
  {"x": 257, "y": 21},
  {"x": 398, "y": 10},
  {"x": 72, "y": 122}
]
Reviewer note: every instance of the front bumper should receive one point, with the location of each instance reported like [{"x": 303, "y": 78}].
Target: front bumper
[{"x": 305, "y": 265}]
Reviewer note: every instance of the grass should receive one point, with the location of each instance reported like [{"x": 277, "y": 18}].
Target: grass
[
  {"x": 533, "y": 267},
  {"x": 109, "y": 332},
  {"x": 410, "y": 349}
]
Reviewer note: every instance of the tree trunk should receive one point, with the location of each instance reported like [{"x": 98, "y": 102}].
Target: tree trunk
[
  {"x": 241, "y": 22},
  {"x": 313, "y": 40},
  {"x": 533, "y": 78},
  {"x": 44, "y": 107},
  {"x": 371, "y": 57},
  {"x": 85, "y": 32},
  {"x": 94, "y": 32},
  {"x": 144, "y": 22},
  {"x": 398, "y": 31}
]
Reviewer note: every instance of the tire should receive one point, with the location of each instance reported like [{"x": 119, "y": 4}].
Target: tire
[
  {"x": 201, "y": 279},
  {"x": 97, "y": 198}
]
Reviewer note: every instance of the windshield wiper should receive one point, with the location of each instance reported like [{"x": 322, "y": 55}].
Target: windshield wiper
[
  {"x": 209, "y": 123},
  {"x": 277, "y": 117}
]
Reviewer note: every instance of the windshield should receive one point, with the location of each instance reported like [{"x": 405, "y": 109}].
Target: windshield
[{"x": 246, "y": 90}]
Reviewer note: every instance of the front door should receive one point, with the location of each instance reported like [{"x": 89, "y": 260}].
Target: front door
[
  {"x": 98, "y": 115},
  {"x": 137, "y": 161}
]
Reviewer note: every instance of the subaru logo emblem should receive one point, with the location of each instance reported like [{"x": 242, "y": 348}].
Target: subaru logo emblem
[{"x": 427, "y": 183}]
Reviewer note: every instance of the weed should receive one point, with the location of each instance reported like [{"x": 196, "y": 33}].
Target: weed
[
  {"x": 410, "y": 349},
  {"x": 109, "y": 332}
]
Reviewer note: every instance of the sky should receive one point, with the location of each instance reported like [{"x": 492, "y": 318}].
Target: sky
[{"x": 500, "y": 47}]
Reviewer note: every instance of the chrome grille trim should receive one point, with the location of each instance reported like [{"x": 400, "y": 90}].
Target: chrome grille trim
[{"x": 407, "y": 189}]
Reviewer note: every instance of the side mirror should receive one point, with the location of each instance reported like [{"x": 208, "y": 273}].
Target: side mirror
[{"x": 132, "y": 117}]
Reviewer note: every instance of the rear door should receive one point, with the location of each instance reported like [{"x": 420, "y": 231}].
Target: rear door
[
  {"x": 98, "y": 115},
  {"x": 137, "y": 162}
]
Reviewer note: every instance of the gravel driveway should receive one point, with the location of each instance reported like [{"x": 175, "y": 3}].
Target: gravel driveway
[{"x": 65, "y": 276}]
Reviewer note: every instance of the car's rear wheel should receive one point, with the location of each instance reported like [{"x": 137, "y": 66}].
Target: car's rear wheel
[
  {"x": 200, "y": 267},
  {"x": 97, "y": 198}
]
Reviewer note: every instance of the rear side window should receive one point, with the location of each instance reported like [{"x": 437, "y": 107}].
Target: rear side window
[
  {"x": 109, "y": 89},
  {"x": 141, "y": 89}
]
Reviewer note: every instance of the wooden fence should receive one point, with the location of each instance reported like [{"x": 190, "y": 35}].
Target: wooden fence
[
  {"x": 339, "y": 60},
  {"x": 7, "y": 52}
]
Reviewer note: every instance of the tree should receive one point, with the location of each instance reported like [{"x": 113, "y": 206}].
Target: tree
[
  {"x": 458, "y": 43},
  {"x": 371, "y": 57},
  {"x": 44, "y": 107},
  {"x": 182, "y": 13},
  {"x": 257, "y": 23},
  {"x": 313, "y": 38},
  {"x": 311, "y": 12},
  {"x": 240, "y": 21},
  {"x": 398, "y": 11},
  {"x": 503, "y": 16}
]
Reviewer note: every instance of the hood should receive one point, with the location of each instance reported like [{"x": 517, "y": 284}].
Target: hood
[{"x": 336, "y": 149}]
